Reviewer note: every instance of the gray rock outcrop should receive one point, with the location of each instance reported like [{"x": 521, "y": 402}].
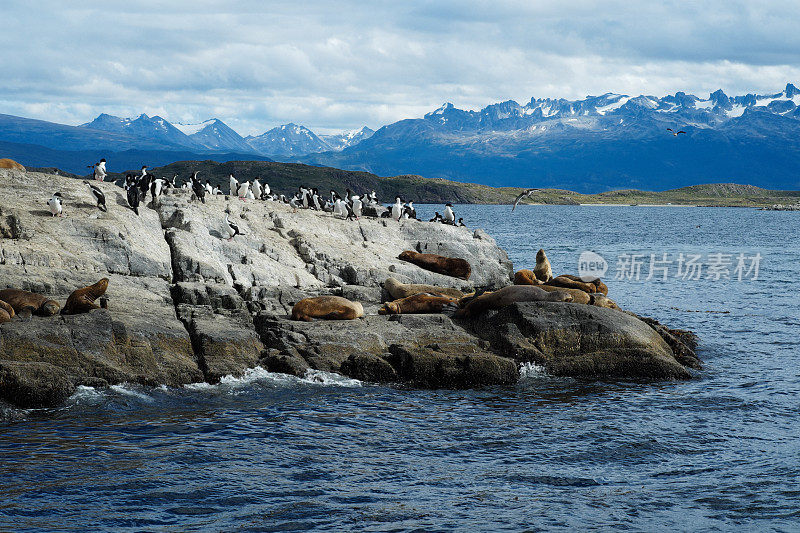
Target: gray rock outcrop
[{"x": 187, "y": 305}]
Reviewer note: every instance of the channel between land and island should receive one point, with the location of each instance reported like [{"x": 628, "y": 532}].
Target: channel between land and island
[{"x": 187, "y": 305}]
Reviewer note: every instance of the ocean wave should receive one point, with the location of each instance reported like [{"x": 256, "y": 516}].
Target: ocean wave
[
  {"x": 531, "y": 370},
  {"x": 261, "y": 375}
]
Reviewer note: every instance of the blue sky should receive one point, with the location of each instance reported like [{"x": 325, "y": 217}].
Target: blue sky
[{"x": 339, "y": 65}]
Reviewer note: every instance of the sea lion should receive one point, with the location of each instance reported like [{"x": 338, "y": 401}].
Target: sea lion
[
  {"x": 10, "y": 163},
  {"x": 6, "y": 312},
  {"x": 328, "y": 308},
  {"x": 597, "y": 282},
  {"x": 543, "y": 271},
  {"x": 569, "y": 283},
  {"x": 578, "y": 296},
  {"x": 402, "y": 290},
  {"x": 526, "y": 277},
  {"x": 26, "y": 303},
  {"x": 449, "y": 266},
  {"x": 418, "y": 303},
  {"x": 82, "y": 300},
  {"x": 509, "y": 295},
  {"x": 601, "y": 300}
]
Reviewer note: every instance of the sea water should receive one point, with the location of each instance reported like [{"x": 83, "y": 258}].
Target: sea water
[{"x": 269, "y": 452}]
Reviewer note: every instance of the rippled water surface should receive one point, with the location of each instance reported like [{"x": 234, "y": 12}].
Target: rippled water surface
[{"x": 269, "y": 452}]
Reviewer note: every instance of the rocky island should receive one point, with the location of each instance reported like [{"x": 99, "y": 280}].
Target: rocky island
[{"x": 185, "y": 304}]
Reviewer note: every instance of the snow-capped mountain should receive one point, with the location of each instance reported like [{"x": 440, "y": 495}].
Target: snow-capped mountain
[
  {"x": 287, "y": 140},
  {"x": 339, "y": 141},
  {"x": 151, "y": 128},
  {"x": 215, "y": 135},
  {"x": 594, "y": 144}
]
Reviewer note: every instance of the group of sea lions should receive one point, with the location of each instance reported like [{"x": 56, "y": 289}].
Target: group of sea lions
[
  {"x": 529, "y": 286},
  {"x": 15, "y": 302}
]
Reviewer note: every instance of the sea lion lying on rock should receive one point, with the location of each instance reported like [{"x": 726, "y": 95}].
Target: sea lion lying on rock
[
  {"x": 449, "y": 266},
  {"x": 418, "y": 303},
  {"x": 82, "y": 300},
  {"x": 526, "y": 277},
  {"x": 507, "y": 296},
  {"x": 543, "y": 271},
  {"x": 6, "y": 312},
  {"x": 597, "y": 282},
  {"x": 328, "y": 308},
  {"x": 601, "y": 300},
  {"x": 26, "y": 303},
  {"x": 569, "y": 283},
  {"x": 403, "y": 290}
]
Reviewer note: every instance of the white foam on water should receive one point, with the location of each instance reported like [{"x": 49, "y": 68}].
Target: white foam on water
[
  {"x": 126, "y": 391},
  {"x": 531, "y": 370},
  {"x": 82, "y": 392},
  {"x": 261, "y": 375}
]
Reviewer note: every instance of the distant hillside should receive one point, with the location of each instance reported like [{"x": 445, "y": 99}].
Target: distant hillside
[{"x": 287, "y": 177}]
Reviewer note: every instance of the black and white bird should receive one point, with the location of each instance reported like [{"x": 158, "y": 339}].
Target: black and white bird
[
  {"x": 157, "y": 186},
  {"x": 198, "y": 188},
  {"x": 234, "y": 185},
  {"x": 675, "y": 133},
  {"x": 99, "y": 196},
  {"x": 133, "y": 198},
  {"x": 256, "y": 188},
  {"x": 409, "y": 211},
  {"x": 233, "y": 229},
  {"x": 397, "y": 209},
  {"x": 100, "y": 170},
  {"x": 436, "y": 217},
  {"x": 461, "y": 223},
  {"x": 209, "y": 188},
  {"x": 56, "y": 205},
  {"x": 524, "y": 194},
  {"x": 449, "y": 217},
  {"x": 357, "y": 206},
  {"x": 244, "y": 188}
]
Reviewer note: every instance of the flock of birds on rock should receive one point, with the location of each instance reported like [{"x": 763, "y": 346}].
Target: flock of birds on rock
[{"x": 349, "y": 207}]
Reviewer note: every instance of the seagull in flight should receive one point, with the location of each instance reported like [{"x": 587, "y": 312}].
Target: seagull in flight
[
  {"x": 524, "y": 194},
  {"x": 675, "y": 133}
]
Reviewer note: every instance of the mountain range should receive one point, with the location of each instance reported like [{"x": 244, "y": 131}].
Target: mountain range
[{"x": 593, "y": 144}]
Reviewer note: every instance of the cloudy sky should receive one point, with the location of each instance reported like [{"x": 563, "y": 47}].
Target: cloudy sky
[{"x": 334, "y": 65}]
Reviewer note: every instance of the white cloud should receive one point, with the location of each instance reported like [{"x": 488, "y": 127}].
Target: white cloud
[{"x": 338, "y": 65}]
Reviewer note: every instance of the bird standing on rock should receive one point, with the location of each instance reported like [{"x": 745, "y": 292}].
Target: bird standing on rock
[
  {"x": 133, "y": 198},
  {"x": 233, "y": 229},
  {"x": 449, "y": 216},
  {"x": 198, "y": 188},
  {"x": 100, "y": 170},
  {"x": 56, "y": 205},
  {"x": 99, "y": 196}
]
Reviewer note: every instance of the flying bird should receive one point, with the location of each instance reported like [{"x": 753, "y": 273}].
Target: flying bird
[
  {"x": 99, "y": 196},
  {"x": 675, "y": 133},
  {"x": 524, "y": 194}
]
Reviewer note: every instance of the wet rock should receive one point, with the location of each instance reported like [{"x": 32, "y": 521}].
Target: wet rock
[
  {"x": 580, "y": 341},
  {"x": 33, "y": 384}
]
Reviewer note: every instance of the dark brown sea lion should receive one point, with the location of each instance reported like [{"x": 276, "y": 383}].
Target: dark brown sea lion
[
  {"x": 601, "y": 300},
  {"x": 543, "y": 271},
  {"x": 449, "y": 266},
  {"x": 569, "y": 283},
  {"x": 526, "y": 277},
  {"x": 328, "y": 308},
  {"x": 10, "y": 163},
  {"x": 597, "y": 282},
  {"x": 82, "y": 300},
  {"x": 418, "y": 303},
  {"x": 26, "y": 303},
  {"x": 509, "y": 295},
  {"x": 403, "y": 290},
  {"x": 6, "y": 312}
]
